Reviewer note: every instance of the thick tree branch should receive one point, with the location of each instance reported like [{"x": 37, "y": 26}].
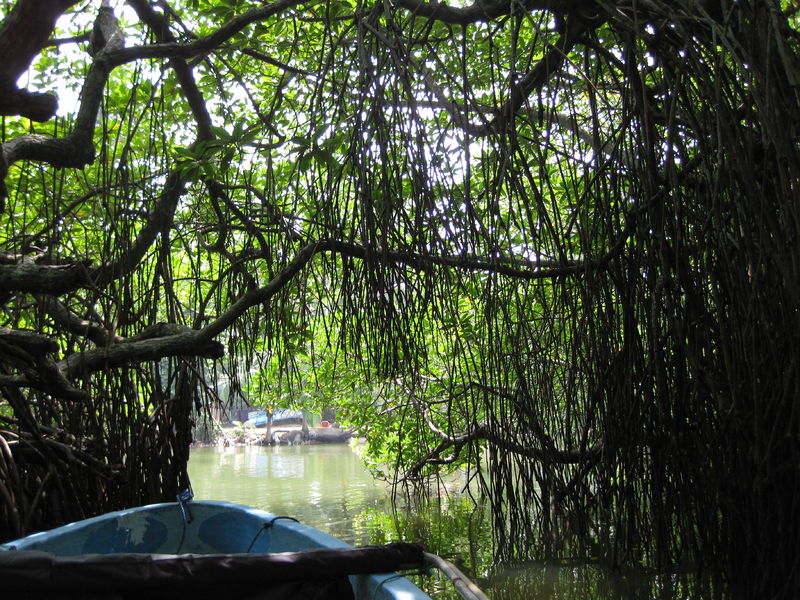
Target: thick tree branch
[
  {"x": 76, "y": 150},
  {"x": 494, "y": 120},
  {"x": 505, "y": 441},
  {"x": 106, "y": 32},
  {"x": 518, "y": 269},
  {"x": 481, "y": 10},
  {"x": 175, "y": 340},
  {"x": 35, "y": 106},
  {"x": 37, "y": 278},
  {"x": 515, "y": 268},
  {"x": 187, "y": 342},
  {"x": 23, "y": 34},
  {"x": 205, "y": 44},
  {"x": 183, "y": 72},
  {"x": 72, "y": 152},
  {"x": 68, "y": 321},
  {"x": 159, "y": 219},
  {"x": 27, "y": 351},
  {"x": 537, "y": 77},
  {"x": 263, "y": 294},
  {"x": 33, "y": 343},
  {"x": 30, "y": 277}
]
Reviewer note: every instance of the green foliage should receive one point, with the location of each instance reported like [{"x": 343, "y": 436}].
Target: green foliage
[{"x": 544, "y": 247}]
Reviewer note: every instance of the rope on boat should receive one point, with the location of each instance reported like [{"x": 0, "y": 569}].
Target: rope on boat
[
  {"x": 269, "y": 523},
  {"x": 183, "y": 501},
  {"x": 266, "y": 526},
  {"x": 184, "y": 498}
]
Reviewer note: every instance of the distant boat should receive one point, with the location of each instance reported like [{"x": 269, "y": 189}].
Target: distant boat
[
  {"x": 258, "y": 418},
  {"x": 210, "y": 550},
  {"x": 279, "y": 416},
  {"x": 286, "y": 416}
]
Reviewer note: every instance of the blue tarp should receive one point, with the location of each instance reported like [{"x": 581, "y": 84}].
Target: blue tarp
[{"x": 260, "y": 418}]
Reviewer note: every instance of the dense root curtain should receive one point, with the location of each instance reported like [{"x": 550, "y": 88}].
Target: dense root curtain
[{"x": 554, "y": 241}]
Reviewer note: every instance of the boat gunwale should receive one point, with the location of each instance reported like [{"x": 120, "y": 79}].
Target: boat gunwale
[{"x": 387, "y": 585}]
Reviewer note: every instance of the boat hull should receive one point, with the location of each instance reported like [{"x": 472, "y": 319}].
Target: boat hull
[{"x": 207, "y": 528}]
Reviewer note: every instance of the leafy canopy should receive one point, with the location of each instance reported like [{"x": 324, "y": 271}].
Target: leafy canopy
[{"x": 542, "y": 240}]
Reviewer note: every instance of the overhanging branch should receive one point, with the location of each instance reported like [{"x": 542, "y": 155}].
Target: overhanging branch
[
  {"x": 482, "y": 10},
  {"x": 205, "y": 44},
  {"x": 187, "y": 342},
  {"x": 69, "y": 321},
  {"x": 175, "y": 340},
  {"x": 76, "y": 150},
  {"x": 526, "y": 270},
  {"x": 504, "y": 441},
  {"x": 23, "y": 34}
]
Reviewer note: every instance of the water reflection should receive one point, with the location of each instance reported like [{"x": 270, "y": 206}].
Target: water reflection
[
  {"x": 326, "y": 487},
  {"x": 329, "y": 488}
]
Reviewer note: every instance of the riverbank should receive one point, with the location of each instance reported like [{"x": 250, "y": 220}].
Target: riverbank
[{"x": 243, "y": 434}]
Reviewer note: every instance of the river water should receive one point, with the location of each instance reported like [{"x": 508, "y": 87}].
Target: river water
[{"x": 328, "y": 487}]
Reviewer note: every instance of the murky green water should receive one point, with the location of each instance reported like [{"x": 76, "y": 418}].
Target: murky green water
[
  {"x": 325, "y": 486},
  {"x": 328, "y": 487}
]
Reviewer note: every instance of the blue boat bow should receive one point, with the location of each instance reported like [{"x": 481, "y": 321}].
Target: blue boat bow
[{"x": 208, "y": 550}]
